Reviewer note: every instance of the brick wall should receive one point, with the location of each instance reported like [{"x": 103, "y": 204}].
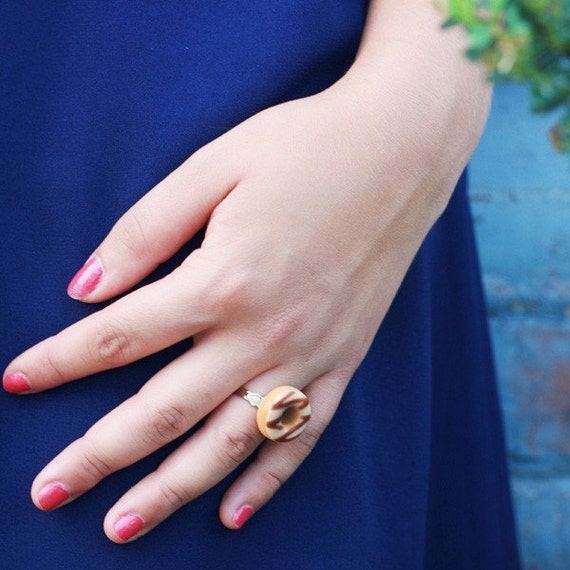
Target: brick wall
[{"x": 520, "y": 189}]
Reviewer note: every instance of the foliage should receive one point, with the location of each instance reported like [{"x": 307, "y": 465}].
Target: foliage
[{"x": 522, "y": 40}]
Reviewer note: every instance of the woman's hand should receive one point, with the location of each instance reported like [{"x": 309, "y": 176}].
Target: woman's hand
[{"x": 314, "y": 211}]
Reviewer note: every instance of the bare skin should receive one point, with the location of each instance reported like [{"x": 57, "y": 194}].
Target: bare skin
[{"x": 314, "y": 212}]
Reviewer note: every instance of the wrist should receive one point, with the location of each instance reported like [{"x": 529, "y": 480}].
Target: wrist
[{"x": 410, "y": 68}]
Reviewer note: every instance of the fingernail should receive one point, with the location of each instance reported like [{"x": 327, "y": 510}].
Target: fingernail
[
  {"x": 242, "y": 515},
  {"x": 52, "y": 495},
  {"x": 127, "y": 526},
  {"x": 86, "y": 279},
  {"x": 15, "y": 383}
]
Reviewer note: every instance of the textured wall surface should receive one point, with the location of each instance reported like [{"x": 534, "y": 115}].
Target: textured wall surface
[{"x": 520, "y": 190}]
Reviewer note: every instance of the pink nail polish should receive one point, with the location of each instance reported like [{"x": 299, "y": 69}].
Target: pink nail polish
[
  {"x": 127, "y": 526},
  {"x": 86, "y": 279},
  {"x": 242, "y": 515},
  {"x": 52, "y": 495},
  {"x": 15, "y": 383}
]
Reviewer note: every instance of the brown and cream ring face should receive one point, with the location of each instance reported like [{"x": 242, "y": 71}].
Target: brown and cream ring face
[{"x": 283, "y": 414}]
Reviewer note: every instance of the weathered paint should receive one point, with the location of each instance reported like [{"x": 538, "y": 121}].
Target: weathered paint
[{"x": 520, "y": 191}]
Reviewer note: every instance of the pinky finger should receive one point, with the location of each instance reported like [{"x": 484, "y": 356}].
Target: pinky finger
[{"x": 276, "y": 462}]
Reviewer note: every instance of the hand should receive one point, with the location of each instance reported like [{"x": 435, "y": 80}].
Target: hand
[{"x": 314, "y": 211}]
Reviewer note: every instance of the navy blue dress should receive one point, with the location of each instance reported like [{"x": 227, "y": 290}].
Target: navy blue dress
[{"x": 101, "y": 100}]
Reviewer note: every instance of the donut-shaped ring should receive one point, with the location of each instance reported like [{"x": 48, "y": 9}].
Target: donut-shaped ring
[{"x": 282, "y": 415}]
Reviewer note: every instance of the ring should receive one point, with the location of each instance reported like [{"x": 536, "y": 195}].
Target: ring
[{"x": 282, "y": 415}]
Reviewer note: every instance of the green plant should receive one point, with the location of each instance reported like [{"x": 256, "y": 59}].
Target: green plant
[{"x": 522, "y": 40}]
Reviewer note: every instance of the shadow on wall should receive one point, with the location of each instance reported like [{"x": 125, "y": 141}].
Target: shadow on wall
[{"x": 520, "y": 191}]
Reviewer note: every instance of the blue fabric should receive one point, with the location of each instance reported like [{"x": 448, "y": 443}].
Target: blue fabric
[{"x": 100, "y": 100}]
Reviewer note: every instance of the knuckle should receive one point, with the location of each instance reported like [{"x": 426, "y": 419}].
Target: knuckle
[
  {"x": 95, "y": 465},
  {"x": 112, "y": 346},
  {"x": 164, "y": 423},
  {"x": 235, "y": 446},
  {"x": 272, "y": 481},
  {"x": 174, "y": 495},
  {"x": 131, "y": 234},
  {"x": 229, "y": 293},
  {"x": 307, "y": 441},
  {"x": 52, "y": 360},
  {"x": 272, "y": 478}
]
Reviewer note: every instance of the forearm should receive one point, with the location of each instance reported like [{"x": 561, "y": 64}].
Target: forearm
[
  {"x": 412, "y": 82},
  {"x": 404, "y": 44}
]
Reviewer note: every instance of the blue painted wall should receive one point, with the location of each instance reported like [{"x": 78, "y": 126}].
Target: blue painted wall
[{"x": 520, "y": 190}]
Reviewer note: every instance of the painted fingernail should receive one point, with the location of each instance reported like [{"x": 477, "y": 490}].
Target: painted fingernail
[
  {"x": 127, "y": 526},
  {"x": 86, "y": 279},
  {"x": 15, "y": 383},
  {"x": 242, "y": 515},
  {"x": 52, "y": 495}
]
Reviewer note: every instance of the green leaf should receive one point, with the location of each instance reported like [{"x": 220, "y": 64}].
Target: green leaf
[
  {"x": 462, "y": 11},
  {"x": 480, "y": 36},
  {"x": 497, "y": 6},
  {"x": 522, "y": 40}
]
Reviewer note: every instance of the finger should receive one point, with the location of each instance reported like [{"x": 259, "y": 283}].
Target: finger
[
  {"x": 275, "y": 462},
  {"x": 229, "y": 436},
  {"x": 169, "y": 404},
  {"x": 202, "y": 461},
  {"x": 157, "y": 226},
  {"x": 142, "y": 323}
]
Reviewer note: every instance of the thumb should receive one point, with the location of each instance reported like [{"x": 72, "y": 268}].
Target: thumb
[{"x": 156, "y": 227}]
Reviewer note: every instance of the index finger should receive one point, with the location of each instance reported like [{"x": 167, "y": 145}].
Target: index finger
[
  {"x": 156, "y": 226},
  {"x": 142, "y": 323}
]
